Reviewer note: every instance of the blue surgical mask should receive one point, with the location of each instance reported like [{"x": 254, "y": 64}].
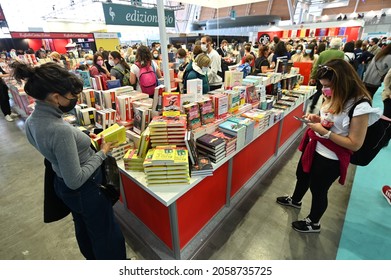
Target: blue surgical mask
[
  {"x": 308, "y": 51},
  {"x": 89, "y": 62},
  {"x": 298, "y": 51},
  {"x": 180, "y": 60}
]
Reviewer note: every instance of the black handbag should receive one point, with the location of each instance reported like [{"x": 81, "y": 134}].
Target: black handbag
[{"x": 111, "y": 180}]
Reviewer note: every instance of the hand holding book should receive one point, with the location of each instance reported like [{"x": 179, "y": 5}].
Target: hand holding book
[{"x": 107, "y": 147}]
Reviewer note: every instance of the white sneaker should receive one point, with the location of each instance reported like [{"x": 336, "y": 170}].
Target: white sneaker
[
  {"x": 8, "y": 118},
  {"x": 14, "y": 115}
]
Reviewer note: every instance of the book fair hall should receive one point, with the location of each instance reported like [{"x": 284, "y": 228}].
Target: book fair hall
[{"x": 195, "y": 130}]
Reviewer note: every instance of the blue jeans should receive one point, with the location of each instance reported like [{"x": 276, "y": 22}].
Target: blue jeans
[{"x": 98, "y": 235}]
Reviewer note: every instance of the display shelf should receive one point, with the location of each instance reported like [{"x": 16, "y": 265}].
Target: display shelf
[{"x": 178, "y": 218}]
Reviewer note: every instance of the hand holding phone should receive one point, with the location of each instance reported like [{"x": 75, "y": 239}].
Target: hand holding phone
[{"x": 302, "y": 119}]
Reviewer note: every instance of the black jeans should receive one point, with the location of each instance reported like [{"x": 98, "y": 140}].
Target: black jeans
[
  {"x": 323, "y": 173},
  {"x": 4, "y": 99},
  {"x": 97, "y": 232},
  {"x": 387, "y": 107}
]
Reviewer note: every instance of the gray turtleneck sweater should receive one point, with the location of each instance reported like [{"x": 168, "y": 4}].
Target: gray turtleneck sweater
[{"x": 66, "y": 147}]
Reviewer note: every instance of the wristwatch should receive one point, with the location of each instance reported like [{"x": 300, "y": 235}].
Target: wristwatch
[{"x": 327, "y": 135}]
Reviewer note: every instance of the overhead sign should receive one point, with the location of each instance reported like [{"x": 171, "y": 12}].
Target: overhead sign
[
  {"x": 51, "y": 35},
  {"x": 116, "y": 14}
]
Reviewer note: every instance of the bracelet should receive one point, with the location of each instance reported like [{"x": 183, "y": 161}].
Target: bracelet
[{"x": 327, "y": 135}]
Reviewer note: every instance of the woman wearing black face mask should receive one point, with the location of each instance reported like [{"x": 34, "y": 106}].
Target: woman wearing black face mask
[{"x": 76, "y": 165}]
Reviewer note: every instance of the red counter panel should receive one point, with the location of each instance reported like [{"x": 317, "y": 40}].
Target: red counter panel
[
  {"x": 198, "y": 206},
  {"x": 251, "y": 158},
  {"x": 290, "y": 124},
  {"x": 149, "y": 210}
]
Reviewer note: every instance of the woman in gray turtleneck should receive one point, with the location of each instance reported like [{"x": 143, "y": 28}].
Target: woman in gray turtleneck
[{"x": 75, "y": 163}]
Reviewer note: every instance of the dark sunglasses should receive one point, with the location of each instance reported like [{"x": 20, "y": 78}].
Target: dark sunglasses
[{"x": 324, "y": 70}]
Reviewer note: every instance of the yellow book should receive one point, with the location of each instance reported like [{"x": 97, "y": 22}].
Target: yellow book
[
  {"x": 114, "y": 133},
  {"x": 163, "y": 156},
  {"x": 181, "y": 157}
]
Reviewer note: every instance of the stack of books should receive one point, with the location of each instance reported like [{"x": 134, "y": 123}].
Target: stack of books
[
  {"x": 168, "y": 131},
  {"x": 119, "y": 152},
  {"x": 261, "y": 117},
  {"x": 230, "y": 142},
  {"x": 165, "y": 165},
  {"x": 235, "y": 129},
  {"x": 132, "y": 161},
  {"x": 211, "y": 146},
  {"x": 203, "y": 167},
  {"x": 250, "y": 127}
]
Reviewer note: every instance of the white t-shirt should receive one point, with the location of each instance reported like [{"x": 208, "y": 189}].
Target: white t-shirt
[
  {"x": 135, "y": 70},
  {"x": 341, "y": 122}
]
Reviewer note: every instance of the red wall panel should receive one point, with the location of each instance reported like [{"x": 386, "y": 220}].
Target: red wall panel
[
  {"x": 149, "y": 210},
  {"x": 201, "y": 203},
  {"x": 290, "y": 124},
  {"x": 251, "y": 158}
]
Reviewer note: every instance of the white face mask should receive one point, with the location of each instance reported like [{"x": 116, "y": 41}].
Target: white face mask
[
  {"x": 205, "y": 69},
  {"x": 225, "y": 48},
  {"x": 111, "y": 62},
  {"x": 204, "y": 47}
]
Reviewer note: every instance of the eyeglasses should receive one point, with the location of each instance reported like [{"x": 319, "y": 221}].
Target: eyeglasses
[{"x": 324, "y": 70}]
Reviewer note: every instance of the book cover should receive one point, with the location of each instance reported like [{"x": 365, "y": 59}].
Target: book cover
[
  {"x": 193, "y": 115},
  {"x": 191, "y": 147},
  {"x": 85, "y": 76},
  {"x": 235, "y": 129},
  {"x": 233, "y": 101},
  {"x": 220, "y": 104},
  {"x": 171, "y": 104},
  {"x": 211, "y": 141},
  {"x": 144, "y": 143},
  {"x": 114, "y": 133},
  {"x": 203, "y": 164},
  {"x": 206, "y": 111},
  {"x": 194, "y": 86},
  {"x": 163, "y": 155}
]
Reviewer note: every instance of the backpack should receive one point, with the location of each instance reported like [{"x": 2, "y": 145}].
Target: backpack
[
  {"x": 147, "y": 78},
  {"x": 125, "y": 76},
  {"x": 353, "y": 61},
  {"x": 377, "y": 137}
]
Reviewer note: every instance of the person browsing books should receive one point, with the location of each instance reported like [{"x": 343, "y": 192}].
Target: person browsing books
[
  {"x": 330, "y": 139},
  {"x": 77, "y": 166},
  {"x": 119, "y": 68},
  {"x": 98, "y": 67},
  {"x": 198, "y": 69}
]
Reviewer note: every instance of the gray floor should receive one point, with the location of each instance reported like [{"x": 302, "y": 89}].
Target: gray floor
[{"x": 258, "y": 228}]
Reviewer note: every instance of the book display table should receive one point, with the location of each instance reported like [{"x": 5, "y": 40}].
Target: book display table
[{"x": 174, "y": 221}]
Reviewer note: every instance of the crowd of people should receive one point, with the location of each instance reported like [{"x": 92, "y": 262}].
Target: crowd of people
[{"x": 342, "y": 72}]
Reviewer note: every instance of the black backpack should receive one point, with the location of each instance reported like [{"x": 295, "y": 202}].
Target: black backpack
[
  {"x": 377, "y": 137},
  {"x": 353, "y": 61}
]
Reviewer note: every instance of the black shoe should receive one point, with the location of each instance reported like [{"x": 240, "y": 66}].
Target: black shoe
[
  {"x": 287, "y": 201},
  {"x": 306, "y": 226}
]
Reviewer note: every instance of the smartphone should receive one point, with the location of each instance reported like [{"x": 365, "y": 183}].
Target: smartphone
[{"x": 302, "y": 119}]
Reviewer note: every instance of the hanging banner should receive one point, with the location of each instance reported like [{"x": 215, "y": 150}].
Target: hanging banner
[{"x": 116, "y": 14}]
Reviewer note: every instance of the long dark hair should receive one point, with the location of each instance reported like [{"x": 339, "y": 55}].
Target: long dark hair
[
  {"x": 122, "y": 61},
  {"x": 143, "y": 56},
  {"x": 383, "y": 52},
  {"x": 100, "y": 68},
  {"x": 280, "y": 49},
  {"x": 46, "y": 79}
]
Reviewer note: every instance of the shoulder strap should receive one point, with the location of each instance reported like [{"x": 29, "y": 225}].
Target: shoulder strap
[
  {"x": 119, "y": 70},
  {"x": 350, "y": 114}
]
